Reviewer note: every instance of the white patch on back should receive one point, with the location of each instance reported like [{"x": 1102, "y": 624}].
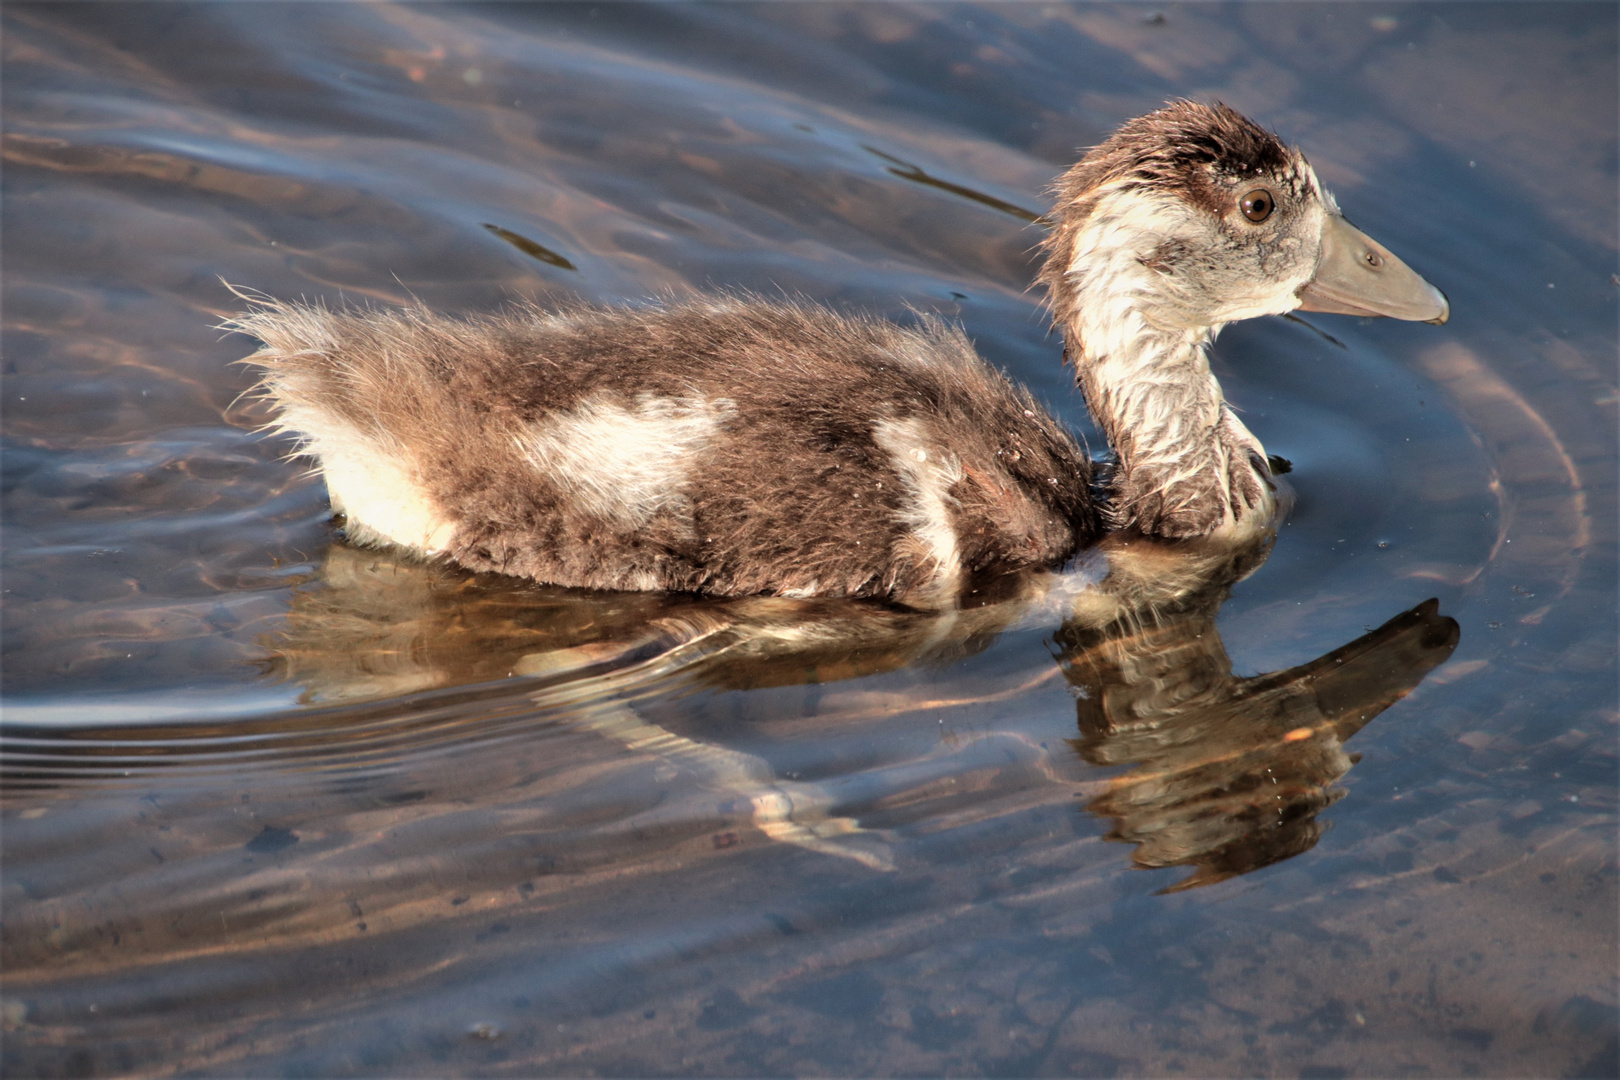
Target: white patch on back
[
  {"x": 626, "y": 465},
  {"x": 927, "y": 473},
  {"x": 369, "y": 484}
]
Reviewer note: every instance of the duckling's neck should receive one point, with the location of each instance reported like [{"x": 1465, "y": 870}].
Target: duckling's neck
[{"x": 1187, "y": 465}]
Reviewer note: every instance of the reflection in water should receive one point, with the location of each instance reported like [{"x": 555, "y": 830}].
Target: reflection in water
[
  {"x": 905, "y": 170},
  {"x": 1230, "y": 772},
  {"x": 529, "y": 247}
]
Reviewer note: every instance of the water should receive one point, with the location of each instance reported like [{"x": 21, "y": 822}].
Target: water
[{"x": 273, "y": 805}]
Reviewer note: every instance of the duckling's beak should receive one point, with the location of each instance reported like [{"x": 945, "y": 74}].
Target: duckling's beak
[{"x": 1358, "y": 276}]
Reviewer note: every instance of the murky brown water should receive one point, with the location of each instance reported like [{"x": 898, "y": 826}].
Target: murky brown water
[{"x": 276, "y": 806}]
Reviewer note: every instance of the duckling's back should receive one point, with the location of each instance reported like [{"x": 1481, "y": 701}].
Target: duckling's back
[{"x": 728, "y": 446}]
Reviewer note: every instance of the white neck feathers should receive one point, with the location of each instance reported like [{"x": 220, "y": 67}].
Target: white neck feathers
[{"x": 1185, "y": 461}]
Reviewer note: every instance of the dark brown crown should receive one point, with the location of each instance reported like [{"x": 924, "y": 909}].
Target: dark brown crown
[
  {"x": 1188, "y": 148},
  {"x": 1181, "y": 142}
]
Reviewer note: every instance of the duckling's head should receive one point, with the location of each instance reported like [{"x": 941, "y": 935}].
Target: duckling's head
[
  {"x": 1184, "y": 220},
  {"x": 1192, "y": 217}
]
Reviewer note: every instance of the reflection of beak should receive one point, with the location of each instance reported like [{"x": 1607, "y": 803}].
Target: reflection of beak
[{"x": 1358, "y": 276}]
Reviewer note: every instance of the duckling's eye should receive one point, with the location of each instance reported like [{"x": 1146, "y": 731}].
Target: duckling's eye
[{"x": 1258, "y": 204}]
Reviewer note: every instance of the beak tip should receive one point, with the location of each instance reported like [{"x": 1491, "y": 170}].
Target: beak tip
[{"x": 1445, "y": 310}]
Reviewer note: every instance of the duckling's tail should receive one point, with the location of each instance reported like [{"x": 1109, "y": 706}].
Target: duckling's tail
[{"x": 358, "y": 390}]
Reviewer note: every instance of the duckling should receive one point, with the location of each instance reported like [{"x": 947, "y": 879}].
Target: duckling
[{"x": 730, "y": 445}]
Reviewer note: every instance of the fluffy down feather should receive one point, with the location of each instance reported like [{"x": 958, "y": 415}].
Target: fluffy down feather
[{"x": 728, "y": 445}]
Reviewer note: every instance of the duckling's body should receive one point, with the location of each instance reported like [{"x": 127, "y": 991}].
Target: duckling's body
[
  {"x": 733, "y": 446},
  {"x": 729, "y": 446}
]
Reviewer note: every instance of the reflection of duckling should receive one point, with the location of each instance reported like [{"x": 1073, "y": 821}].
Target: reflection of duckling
[
  {"x": 1229, "y": 776},
  {"x": 733, "y": 446},
  {"x": 1231, "y": 773}
]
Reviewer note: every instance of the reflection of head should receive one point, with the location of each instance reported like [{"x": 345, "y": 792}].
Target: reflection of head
[{"x": 1231, "y": 772}]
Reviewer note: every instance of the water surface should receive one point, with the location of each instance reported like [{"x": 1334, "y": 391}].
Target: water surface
[{"x": 275, "y": 805}]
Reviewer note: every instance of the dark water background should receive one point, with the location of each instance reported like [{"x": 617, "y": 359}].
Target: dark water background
[{"x": 276, "y": 807}]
